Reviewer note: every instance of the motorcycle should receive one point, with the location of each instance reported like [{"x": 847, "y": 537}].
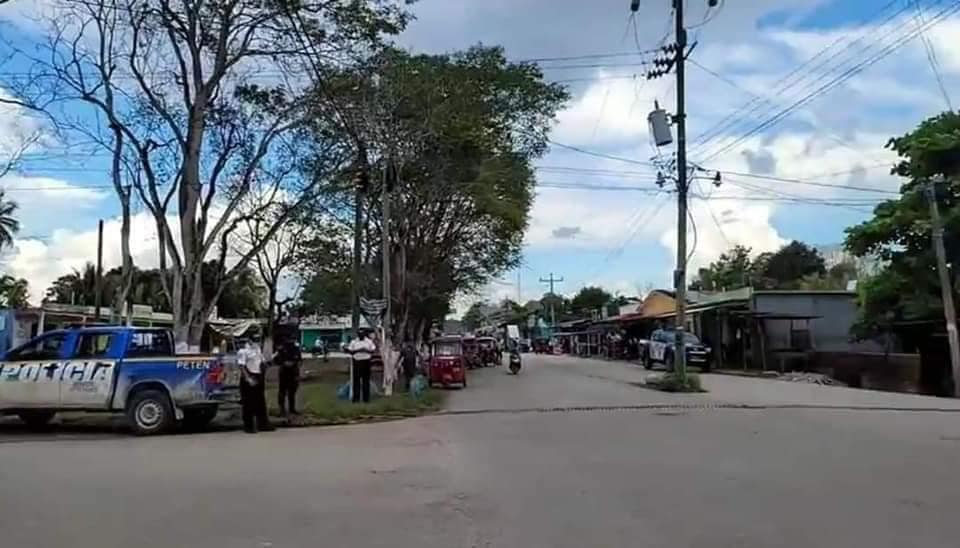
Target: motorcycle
[{"x": 514, "y": 362}]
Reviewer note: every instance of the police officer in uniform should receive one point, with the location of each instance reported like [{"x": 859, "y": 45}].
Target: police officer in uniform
[{"x": 252, "y": 387}]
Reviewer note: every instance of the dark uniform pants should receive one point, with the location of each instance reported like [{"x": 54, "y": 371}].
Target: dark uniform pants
[
  {"x": 361, "y": 380},
  {"x": 287, "y": 394},
  {"x": 253, "y": 402}
]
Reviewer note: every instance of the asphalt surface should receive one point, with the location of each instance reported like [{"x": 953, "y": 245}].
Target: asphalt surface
[{"x": 570, "y": 453}]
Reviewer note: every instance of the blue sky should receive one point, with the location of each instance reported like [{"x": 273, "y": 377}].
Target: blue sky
[{"x": 621, "y": 239}]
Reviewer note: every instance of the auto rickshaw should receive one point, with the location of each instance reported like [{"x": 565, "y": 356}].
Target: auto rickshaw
[
  {"x": 487, "y": 348},
  {"x": 447, "y": 362},
  {"x": 471, "y": 352}
]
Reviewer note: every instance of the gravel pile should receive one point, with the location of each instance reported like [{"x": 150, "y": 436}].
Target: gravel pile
[{"x": 810, "y": 378}]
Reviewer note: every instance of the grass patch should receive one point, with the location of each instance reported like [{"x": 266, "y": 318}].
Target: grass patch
[
  {"x": 671, "y": 382},
  {"x": 317, "y": 400}
]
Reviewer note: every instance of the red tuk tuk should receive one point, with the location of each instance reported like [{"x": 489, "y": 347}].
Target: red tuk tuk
[
  {"x": 471, "y": 352},
  {"x": 487, "y": 348},
  {"x": 447, "y": 362}
]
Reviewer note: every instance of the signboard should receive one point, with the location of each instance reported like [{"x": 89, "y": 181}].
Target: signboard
[{"x": 372, "y": 310}]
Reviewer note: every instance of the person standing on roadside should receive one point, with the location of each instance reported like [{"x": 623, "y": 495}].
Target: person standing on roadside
[
  {"x": 408, "y": 359},
  {"x": 361, "y": 351},
  {"x": 252, "y": 387},
  {"x": 288, "y": 359}
]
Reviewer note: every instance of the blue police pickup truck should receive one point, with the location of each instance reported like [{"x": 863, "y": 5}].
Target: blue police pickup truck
[{"x": 128, "y": 370}]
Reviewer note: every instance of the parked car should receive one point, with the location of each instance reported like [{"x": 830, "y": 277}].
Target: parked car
[
  {"x": 660, "y": 349},
  {"x": 128, "y": 370}
]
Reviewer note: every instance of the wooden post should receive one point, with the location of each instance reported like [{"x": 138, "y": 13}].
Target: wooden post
[{"x": 99, "y": 281}]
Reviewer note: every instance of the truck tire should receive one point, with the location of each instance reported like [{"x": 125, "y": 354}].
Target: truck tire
[
  {"x": 149, "y": 412},
  {"x": 36, "y": 420},
  {"x": 668, "y": 360},
  {"x": 198, "y": 418}
]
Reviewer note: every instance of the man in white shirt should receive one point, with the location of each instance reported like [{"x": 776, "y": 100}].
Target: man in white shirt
[
  {"x": 361, "y": 350},
  {"x": 252, "y": 390}
]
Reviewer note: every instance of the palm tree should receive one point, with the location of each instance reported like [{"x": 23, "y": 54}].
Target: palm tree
[{"x": 8, "y": 225}]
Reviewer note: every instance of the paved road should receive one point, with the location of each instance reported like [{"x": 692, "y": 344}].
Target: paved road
[{"x": 649, "y": 477}]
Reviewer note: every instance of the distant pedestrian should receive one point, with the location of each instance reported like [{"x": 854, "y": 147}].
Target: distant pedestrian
[
  {"x": 288, "y": 359},
  {"x": 408, "y": 358},
  {"x": 252, "y": 390},
  {"x": 361, "y": 350}
]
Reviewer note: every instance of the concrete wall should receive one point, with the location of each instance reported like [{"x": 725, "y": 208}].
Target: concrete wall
[
  {"x": 829, "y": 331},
  {"x": 889, "y": 372}
]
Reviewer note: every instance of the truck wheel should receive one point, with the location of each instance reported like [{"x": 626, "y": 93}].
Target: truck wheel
[
  {"x": 36, "y": 420},
  {"x": 646, "y": 361},
  {"x": 668, "y": 361},
  {"x": 150, "y": 412},
  {"x": 198, "y": 418}
]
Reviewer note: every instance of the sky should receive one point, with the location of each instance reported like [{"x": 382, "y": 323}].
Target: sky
[{"x": 793, "y": 100}]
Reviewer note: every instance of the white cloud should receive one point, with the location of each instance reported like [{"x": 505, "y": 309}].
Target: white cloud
[
  {"x": 42, "y": 261},
  {"x": 610, "y": 110}
]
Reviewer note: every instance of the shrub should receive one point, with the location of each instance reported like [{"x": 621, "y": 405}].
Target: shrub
[{"x": 671, "y": 382}]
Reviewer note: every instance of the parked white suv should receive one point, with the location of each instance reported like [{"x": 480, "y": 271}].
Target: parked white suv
[{"x": 660, "y": 349}]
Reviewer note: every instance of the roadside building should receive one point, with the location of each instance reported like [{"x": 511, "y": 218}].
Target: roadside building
[
  {"x": 334, "y": 331},
  {"x": 796, "y": 330}
]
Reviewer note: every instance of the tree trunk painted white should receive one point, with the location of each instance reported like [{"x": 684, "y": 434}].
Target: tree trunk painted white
[{"x": 389, "y": 363}]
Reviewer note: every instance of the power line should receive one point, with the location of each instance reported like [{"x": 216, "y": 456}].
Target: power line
[
  {"x": 714, "y": 217},
  {"x": 791, "y": 79},
  {"x": 799, "y": 181},
  {"x": 807, "y": 182},
  {"x": 582, "y": 186},
  {"x": 932, "y": 57},
  {"x": 793, "y": 198},
  {"x": 598, "y": 154},
  {"x": 587, "y": 56},
  {"x": 634, "y": 224},
  {"x": 836, "y": 81}
]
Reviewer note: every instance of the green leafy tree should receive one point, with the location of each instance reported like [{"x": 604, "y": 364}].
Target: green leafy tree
[
  {"x": 590, "y": 299},
  {"x": 454, "y": 138},
  {"x": 899, "y": 234},
  {"x": 476, "y": 315},
  {"x": 785, "y": 268},
  {"x": 836, "y": 278},
  {"x": 175, "y": 88},
  {"x": 9, "y": 226},
  {"x": 13, "y": 292},
  {"x": 731, "y": 270},
  {"x": 241, "y": 297},
  {"x": 556, "y": 304}
]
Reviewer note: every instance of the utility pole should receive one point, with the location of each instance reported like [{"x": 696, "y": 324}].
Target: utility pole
[
  {"x": 553, "y": 306},
  {"x": 519, "y": 292},
  {"x": 677, "y": 59},
  {"x": 946, "y": 287},
  {"x": 360, "y": 183},
  {"x": 680, "y": 276},
  {"x": 99, "y": 281}
]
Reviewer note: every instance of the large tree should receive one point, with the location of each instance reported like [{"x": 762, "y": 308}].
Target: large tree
[
  {"x": 731, "y": 270},
  {"x": 211, "y": 103},
  {"x": 899, "y": 234},
  {"x": 786, "y": 267},
  {"x": 452, "y": 141},
  {"x": 590, "y": 299}
]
